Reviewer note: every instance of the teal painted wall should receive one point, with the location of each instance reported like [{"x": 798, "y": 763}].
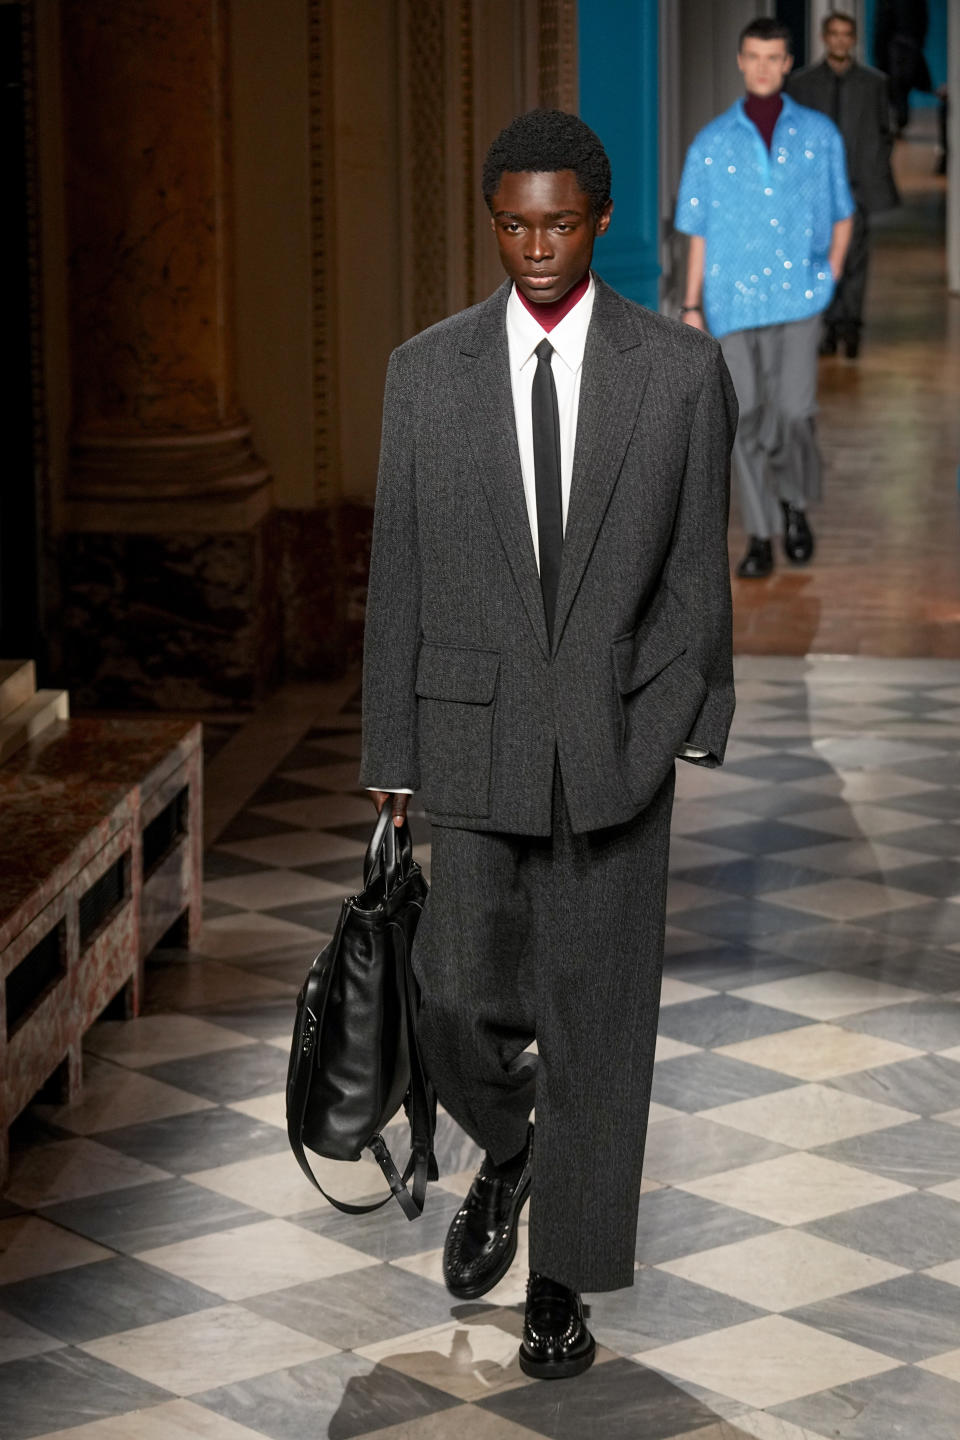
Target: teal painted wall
[{"x": 618, "y": 58}]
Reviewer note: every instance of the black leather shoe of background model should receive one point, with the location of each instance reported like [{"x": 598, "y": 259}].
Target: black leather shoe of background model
[
  {"x": 798, "y": 541},
  {"x": 828, "y": 341},
  {"x": 556, "y": 1343},
  {"x": 758, "y": 561},
  {"x": 482, "y": 1240},
  {"x": 851, "y": 343}
]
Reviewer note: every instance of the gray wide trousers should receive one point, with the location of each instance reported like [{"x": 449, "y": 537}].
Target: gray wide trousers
[
  {"x": 557, "y": 939},
  {"x": 775, "y": 453}
]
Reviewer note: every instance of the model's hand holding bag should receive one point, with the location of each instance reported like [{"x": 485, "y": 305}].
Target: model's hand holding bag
[{"x": 355, "y": 1058}]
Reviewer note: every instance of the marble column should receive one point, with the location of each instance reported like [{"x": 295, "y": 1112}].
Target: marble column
[{"x": 168, "y": 583}]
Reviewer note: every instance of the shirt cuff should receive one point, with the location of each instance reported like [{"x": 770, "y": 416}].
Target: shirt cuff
[
  {"x": 386, "y": 790},
  {"x": 692, "y": 752}
]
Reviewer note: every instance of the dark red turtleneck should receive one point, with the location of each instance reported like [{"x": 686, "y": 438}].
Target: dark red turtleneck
[
  {"x": 764, "y": 111},
  {"x": 553, "y": 311}
]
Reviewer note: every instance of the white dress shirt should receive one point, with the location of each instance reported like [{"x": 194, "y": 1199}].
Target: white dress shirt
[{"x": 568, "y": 338}]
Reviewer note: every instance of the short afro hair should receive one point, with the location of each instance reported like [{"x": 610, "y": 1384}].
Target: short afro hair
[{"x": 543, "y": 140}]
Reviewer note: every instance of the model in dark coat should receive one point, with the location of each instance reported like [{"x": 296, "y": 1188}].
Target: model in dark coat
[{"x": 856, "y": 97}]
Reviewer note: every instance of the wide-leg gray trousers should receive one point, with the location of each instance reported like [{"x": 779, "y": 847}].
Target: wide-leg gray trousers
[
  {"x": 775, "y": 453},
  {"x": 558, "y": 940}
]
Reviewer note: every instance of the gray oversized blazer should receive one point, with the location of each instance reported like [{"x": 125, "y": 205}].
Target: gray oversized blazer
[{"x": 462, "y": 696}]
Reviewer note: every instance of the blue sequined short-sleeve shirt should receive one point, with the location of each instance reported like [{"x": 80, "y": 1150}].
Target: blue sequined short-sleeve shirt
[{"x": 767, "y": 215}]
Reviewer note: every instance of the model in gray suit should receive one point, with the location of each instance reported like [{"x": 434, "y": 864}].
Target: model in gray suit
[
  {"x": 540, "y": 723},
  {"x": 857, "y": 99}
]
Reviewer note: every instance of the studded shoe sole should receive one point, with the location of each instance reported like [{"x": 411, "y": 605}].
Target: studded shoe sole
[{"x": 572, "y": 1364}]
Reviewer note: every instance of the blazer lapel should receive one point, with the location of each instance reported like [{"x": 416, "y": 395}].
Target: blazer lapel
[
  {"x": 485, "y": 402},
  {"x": 615, "y": 374}
]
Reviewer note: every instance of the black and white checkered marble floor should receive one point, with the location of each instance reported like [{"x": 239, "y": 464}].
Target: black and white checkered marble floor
[{"x": 165, "y": 1271}]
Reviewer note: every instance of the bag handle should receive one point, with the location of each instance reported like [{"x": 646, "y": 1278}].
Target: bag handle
[{"x": 390, "y": 848}]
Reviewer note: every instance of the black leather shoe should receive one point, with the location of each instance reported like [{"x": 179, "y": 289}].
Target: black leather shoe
[
  {"x": 758, "y": 561},
  {"x": 852, "y": 343},
  {"x": 798, "y": 541},
  {"x": 482, "y": 1240},
  {"x": 828, "y": 341},
  {"x": 556, "y": 1343}
]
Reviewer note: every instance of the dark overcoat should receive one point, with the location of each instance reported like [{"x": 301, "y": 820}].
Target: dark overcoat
[
  {"x": 464, "y": 698},
  {"x": 863, "y": 119}
]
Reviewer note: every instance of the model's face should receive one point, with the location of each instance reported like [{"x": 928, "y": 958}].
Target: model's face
[
  {"x": 764, "y": 65},
  {"x": 545, "y": 228},
  {"x": 839, "y": 38}
]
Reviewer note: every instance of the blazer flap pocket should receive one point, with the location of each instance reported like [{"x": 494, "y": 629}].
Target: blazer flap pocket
[
  {"x": 451, "y": 672},
  {"x": 638, "y": 658}
]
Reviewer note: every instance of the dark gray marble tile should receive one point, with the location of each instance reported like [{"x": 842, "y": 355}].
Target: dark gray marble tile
[
  {"x": 221, "y": 865},
  {"x": 902, "y": 1404},
  {"x": 929, "y": 1085},
  {"x": 837, "y": 946},
  {"x": 777, "y": 801},
  {"x": 248, "y": 826},
  {"x": 922, "y": 1153},
  {"x": 260, "y": 1019},
  {"x": 935, "y": 924},
  {"x": 937, "y": 878},
  {"x": 67, "y": 1387},
  {"x": 764, "y": 837},
  {"x": 227, "y": 1075},
  {"x": 911, "y": 1317},
  {"x": 340, "y": 1398},
  {"x": 698, "y": 1082},
  {"x": 387, "y": 1233},
  {"x": 939, "y": 839},
  {"x": 280, "y": 788},
  {"x": 633, "y": 1402},
  {"x": 936, "y": 770},
  {"x": 917, "y": 969},
  {"x": 937, "y": 804},
  {"x": 660, "y": 1308},
  {"x": 315, "y": 914},
  {"x": 85, "y": 1302},
  {"x": 729, "y": 967},
  {"x": 145, "y": 1217},
  {"x": 917, "y": 1231},
  {"x": 754, "y": 875},
  {"x": 923, "y": 1024},
  {"x": 183, "y": 1143},
  {"x": 672, "y": 1223},
  {"x": 724, "y": 1020},
  {"x": 782, "y": 766},
  {"x": 358, "y": 1309},
  {"x": 744, "y": 918}
]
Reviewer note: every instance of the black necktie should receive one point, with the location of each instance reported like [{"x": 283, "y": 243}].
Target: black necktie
[{"x": 546, "y": 464}]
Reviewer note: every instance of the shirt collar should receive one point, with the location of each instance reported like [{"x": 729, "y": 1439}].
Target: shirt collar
[{"x": 568, "y": 337}]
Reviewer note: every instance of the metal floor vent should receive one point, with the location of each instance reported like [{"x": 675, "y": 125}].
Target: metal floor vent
[
  {"x": 40, "y": 969},
  {"x": 163, "y": 832},
  {"x": 104, "y": 897}
]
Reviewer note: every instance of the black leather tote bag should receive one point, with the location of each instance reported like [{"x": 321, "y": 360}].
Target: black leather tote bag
[{"x": 355, "y": 1059}]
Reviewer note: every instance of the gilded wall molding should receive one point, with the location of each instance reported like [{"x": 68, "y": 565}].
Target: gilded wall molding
[
  {"x": 427, "y": 124},
  {"x": 557, "y": 54}
]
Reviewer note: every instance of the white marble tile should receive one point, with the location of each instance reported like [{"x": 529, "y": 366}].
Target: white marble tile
[
  {"x": 827, "y": 994},
  {"x": 682, "y": 895},
  {"x": 174, "y": 1420},
  {"x": 153, "y": 1039},
  {"x": 69, "y": 1169},
  {"x": 951, "y": 1190},
  {"x": 339, "y": 776},
  {"x": 855, "y": 857},
  {"x": 857, "y": 821},
  {"x": 696, "y": 781},
  {"x": 251, "y": 934},
  {"x": 321, "y": 813},
  {"x": 818, "y": 1052},
  {"x": 31, "y": 1246},
  {"x": 795, "y": 1189},
  {"x": 782, "y": 1269},
  {"x": 767, "y": 1362},
  {"x": 863, "y": 786},
  {"x": 947, "y": 1365},
  {"x": 691, "y": 816},
  {"x": 270, "y": 1109},
  {"x": 269, "y": 889},
  {"x": 846, "y": 899},
  {"x": 296, "y": 848},
  {"x": 203, "y": 981},
  {"x": 807, "y": 1116},
  {"x": 112, "y": 1097},
  {"x": 253, "y": 1259},
  {"x": 469, "y": 1359},
  {"x": 668, "y": 1049},
  {"x": 949, "y": 1273},
  {"x": 276, "y": 1185},
  {"x": 686, "y": 853},
  {"x": 206, "y": 1350},
  {"x": 678, "y": 992}
]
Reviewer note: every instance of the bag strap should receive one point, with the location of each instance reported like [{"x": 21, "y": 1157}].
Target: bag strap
[{"x": 420, "y": 1104}]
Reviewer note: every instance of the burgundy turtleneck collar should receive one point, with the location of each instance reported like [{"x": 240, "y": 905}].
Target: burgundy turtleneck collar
[
  {"x": 764, "y": 111},
  {"x": 553, "y": 311}
]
